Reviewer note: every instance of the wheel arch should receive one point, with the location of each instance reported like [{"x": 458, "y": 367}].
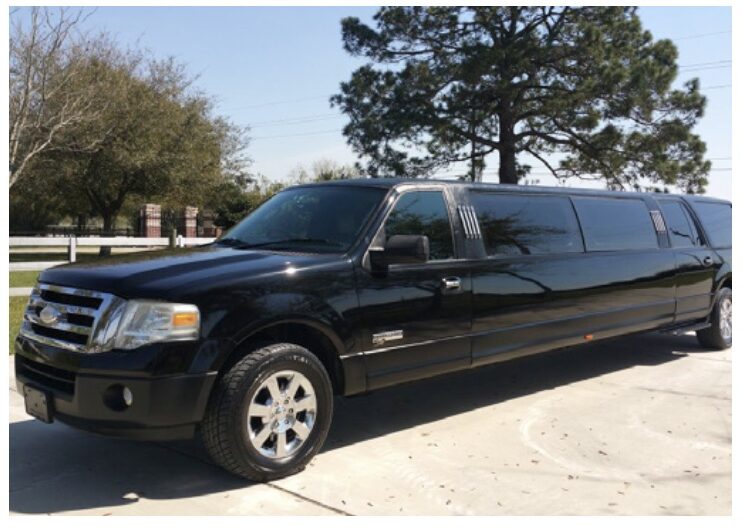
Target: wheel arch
[
  {"x": 312, "y": 335},
  {"x": 723, "y": 280}
]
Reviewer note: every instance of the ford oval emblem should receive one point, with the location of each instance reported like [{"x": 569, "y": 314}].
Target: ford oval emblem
[{"x": 49, "y": 315}]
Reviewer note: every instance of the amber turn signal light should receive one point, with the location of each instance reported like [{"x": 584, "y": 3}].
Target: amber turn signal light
[{"x": 184, "y": 319}]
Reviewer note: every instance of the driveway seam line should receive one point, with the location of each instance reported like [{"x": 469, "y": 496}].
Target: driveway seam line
[
  {"x": 313, "y": 501},
  {"x": 268, "y": 484}
]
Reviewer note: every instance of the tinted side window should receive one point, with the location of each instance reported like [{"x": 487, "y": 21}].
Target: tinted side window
[
  {"x": 683, "y": 233},
  {"x": 423, "y": 213},
  {"x": 526, "y": 225},
  {"x": 717, "y": 221},
  {"x": 611, "y": 224}
]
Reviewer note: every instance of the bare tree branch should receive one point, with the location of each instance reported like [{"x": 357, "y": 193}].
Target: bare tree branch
[{"x": 45, "y": 99}]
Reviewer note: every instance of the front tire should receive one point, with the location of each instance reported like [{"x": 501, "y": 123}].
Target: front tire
[
  {"x": 270, "y": 413},
  {"x": 719, "y": 335}
]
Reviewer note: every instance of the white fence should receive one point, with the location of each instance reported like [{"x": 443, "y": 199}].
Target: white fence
[{"x": 72, "y": 243}]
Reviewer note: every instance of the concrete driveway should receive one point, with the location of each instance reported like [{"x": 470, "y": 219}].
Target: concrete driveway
[{"x": 637, "y": 425}]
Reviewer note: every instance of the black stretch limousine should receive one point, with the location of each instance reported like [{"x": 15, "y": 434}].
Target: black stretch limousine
[{"x": 344, "y": 287}]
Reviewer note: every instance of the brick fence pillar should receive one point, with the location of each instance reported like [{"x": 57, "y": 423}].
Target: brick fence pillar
[
  {"x": 149, "y": 221},
  {"x": 189, "y": 222},
  {"x": 206, "y": 226}
]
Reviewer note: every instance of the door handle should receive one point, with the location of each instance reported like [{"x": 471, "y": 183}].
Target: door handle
[
  {"x": 707, "y": 261},
  {"x": 451, "y": 283}
]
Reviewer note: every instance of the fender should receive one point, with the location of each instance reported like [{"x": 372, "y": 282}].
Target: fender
[
  {"x": 247, "y": 319},
  {"x": 299, "y": 319}
]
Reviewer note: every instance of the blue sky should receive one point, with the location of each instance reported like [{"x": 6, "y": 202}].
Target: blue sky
[{"x": 275, "y": 68}]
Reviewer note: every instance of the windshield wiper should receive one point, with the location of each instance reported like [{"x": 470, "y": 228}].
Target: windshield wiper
[{"x": 230, "y": 242}]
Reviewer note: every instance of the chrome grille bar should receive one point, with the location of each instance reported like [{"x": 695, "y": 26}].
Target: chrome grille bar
[
  {"x": 35, "y": 300},
  {"x": 66, "y": 327},
  {"x": 74, "y": 302}
]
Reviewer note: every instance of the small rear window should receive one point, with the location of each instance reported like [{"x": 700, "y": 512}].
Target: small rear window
[
  {"x": 682, "y": 230},
  {"x": 717, "y": 222},
  {"x": 614, "y": 224}
]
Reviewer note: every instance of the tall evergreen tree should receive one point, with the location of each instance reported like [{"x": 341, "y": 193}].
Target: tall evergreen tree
[{"x": 585, "y": 90}]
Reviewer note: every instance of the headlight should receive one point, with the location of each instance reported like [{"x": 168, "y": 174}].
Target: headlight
[{"x": 144, "y": 322}]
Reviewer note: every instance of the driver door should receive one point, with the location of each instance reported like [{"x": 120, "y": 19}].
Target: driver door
[{"x": 417, "y": 316}]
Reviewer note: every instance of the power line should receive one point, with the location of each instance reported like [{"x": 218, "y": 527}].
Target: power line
[
  {"x": 289, "y": 101},
  {"x": 702, "y": 35},
  {"x": 312, "y": 118},
  {"x": 299, "y": 120},
  {"x": 729, "y": 61},
  {"x": 276, "y": 103},
  {"x": 323, "y": 117},
  {"x": 308, "y": 119},
  {"x": 327, "y": 96},
  {"x": 319, "y": 116},
  {"x": 494, "y": 170},
  {"x": 538, "y": 173},
  {"x": 703, "y": 68},
  {"x": 314, "y": 133}
]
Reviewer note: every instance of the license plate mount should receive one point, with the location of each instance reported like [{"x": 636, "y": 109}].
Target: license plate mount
[{"x": 38, "y": 403}]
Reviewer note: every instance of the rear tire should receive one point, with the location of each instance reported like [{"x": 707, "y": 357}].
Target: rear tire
[
  {"x": 270, "y": 413},
  {"x": 718, "y": 336}
]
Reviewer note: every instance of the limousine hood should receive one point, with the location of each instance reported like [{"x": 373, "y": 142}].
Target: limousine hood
[{"x": 172, "y": 273}]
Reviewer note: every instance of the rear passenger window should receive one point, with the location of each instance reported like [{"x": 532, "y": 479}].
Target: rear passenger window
[
  {"x": 423, "y": 213},
  {"x": 717, "y": 221},
  {"x": 613, "y": 224},
  {"x": 526, "y": 225},
  {"x": 683, "y": 233}
]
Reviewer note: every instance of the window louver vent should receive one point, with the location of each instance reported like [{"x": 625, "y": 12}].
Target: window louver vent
[
  {"x": 659, "y": 222},
  {"x": 469, "y": 220}
]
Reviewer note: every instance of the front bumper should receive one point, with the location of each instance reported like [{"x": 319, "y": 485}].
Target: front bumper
[{"x": 164, "y": 406}]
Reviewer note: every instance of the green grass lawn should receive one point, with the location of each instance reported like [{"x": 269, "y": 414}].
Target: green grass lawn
[
  {"x": 21, "y": 279},
  {"x": 17, "y": 304}
]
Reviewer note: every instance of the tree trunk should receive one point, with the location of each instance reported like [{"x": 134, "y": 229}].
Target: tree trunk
[
  {"x": 473, "y": 162},
  {"x": 507, "y": 165},
  {"x": 474, "y": 173},
  {"x": 507, "y": 149},
  {"x": 104, "y": 251}
]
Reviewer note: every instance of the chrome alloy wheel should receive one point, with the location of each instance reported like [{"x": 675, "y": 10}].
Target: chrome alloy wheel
[
  {"x": 725, "y": 319},
  {"x": 281, "y": 414}
]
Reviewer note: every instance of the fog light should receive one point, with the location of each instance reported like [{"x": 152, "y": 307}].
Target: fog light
[
  {"x": 128, "y": 396},
  {"x": 118, "y": 398}
]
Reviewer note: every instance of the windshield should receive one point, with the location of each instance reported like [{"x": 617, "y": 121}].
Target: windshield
[{"x": 322, "y": 219}]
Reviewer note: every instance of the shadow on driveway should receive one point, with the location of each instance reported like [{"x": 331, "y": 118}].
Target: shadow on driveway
[
  {"x": 56, "y": 468},
  {"x": 413, "y": 404}
]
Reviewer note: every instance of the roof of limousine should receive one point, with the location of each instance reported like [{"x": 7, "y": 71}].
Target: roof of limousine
[{"x": 388, "y": 183}]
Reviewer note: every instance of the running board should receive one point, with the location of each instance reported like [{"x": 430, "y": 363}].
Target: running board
[{"x": 687, "y": 328}]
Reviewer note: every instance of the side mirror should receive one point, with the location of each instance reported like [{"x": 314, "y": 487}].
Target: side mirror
[{"x": 401, "y": 249}]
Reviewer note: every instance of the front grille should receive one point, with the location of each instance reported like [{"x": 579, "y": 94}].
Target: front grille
[
  {"x": 81, "y": 320},
  {"x": 53, "y": 333},
  {"x": 71, "y": 299},
  {"x": 46, "y": 376},
  {"x": 68, "y": 318}
]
